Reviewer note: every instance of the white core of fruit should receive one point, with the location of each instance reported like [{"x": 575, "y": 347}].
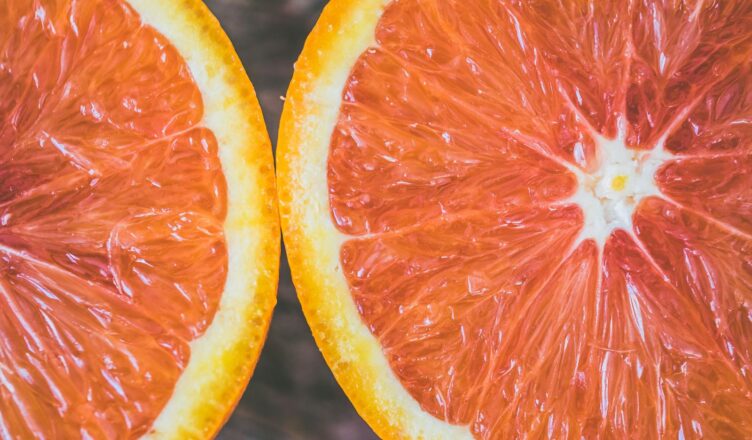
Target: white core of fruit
[{"x": 609, "y": 195}]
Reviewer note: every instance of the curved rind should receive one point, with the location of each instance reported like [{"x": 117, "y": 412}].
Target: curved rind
[
  {"x": 223, "y": 359},
  {"x": 344, "y": 30}
]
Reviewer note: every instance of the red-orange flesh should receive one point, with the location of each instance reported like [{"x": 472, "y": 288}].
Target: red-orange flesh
[
  {"x": 448, "y": 169},
  {"x": 112, "y": 202}
]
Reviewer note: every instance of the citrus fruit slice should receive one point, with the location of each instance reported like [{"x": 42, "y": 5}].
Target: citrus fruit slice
[
  {"x": 138, "y": 231},
  {"x": 527, "y": 219}
]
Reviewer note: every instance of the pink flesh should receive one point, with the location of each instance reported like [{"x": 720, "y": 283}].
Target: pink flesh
[
  {"x": 446, "y": 169},
  {"x": 112, "y": 202}
]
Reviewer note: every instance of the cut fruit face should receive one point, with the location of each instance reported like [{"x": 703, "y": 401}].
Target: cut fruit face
[
  {"x": 527, "y": 219},
  {"x": 138, "y": 231}
]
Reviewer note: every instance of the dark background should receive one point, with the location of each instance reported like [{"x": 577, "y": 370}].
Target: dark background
[{"x": 292, "y": 395}]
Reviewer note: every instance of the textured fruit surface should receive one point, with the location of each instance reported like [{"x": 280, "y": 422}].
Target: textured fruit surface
[
  {"x": 112, "y": 202},
  {"x": 547, "y": 211}
]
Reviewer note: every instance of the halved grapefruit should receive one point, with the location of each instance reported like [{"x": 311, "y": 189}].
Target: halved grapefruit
[
  {"x": 138, "y": 230},
  {"x": 527, "y": 219}
]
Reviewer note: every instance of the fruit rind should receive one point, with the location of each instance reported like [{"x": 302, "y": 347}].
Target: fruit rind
[
  {"x": 223, "y": 359},
  {"x": 345, "y": 28}
]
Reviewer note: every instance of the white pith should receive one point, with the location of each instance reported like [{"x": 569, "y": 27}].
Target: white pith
[
  {"x": 197, "y": 397},
  {"x": 606, "y": 208}
]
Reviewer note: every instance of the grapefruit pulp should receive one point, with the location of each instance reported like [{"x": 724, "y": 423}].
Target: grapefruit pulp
[
  {"x": 138, "y": 250},
  {"x": 513, "y": 219}
]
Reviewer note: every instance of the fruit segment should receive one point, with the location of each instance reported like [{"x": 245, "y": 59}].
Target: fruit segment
[
  {"x": 717, "y": 188},
  {"x": 681, "y": 49},
  {"x": 547, "y": 213},
  {"x": 443, "y": 304},
  {"x": 112, "y": 204}
]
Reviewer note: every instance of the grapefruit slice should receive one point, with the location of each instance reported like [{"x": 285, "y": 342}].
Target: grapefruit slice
[
  {"x": 138, "y": 231},
  {"x": 527, "y": 219}
]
